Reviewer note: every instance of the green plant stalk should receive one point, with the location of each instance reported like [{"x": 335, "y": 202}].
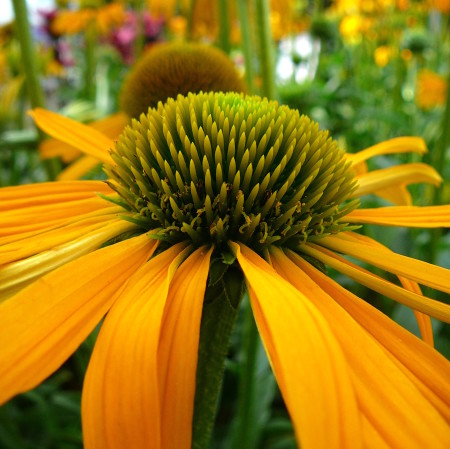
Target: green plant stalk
[
  {"x": 265, "y": 44},
  {"x": 90, "y": 37},
  {"x": 219, "y": 315},
  {"x": 438, "y": 160},
  {"x": 190, "y": 19},
  {"x": 245, "y": 413},
  {"x": 224, "y": 27},
  {"x": 246, "y": 44},
  {"x": 35, "y": 93}
]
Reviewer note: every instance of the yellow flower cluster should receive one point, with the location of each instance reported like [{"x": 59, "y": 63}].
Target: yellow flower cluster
[{"x": 105, "y": 18}]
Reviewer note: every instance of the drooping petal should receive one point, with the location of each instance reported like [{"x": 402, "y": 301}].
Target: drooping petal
[
  {"x": 121, "y": 399},
  {"x": 178, "y": 349},
  {"x": 421, "y": 272},
  {"x": 399, "y": 175},
  {"x": 110, "y": 126},
  {"x": 78, "y": 168},
  {"x": 16, "y": 275},
  {"x": 409, "y": 298},
  {"x": 398, "y": 195},
  {"x": 393, "y": 146},
  {"x": 423, "y": 320},
  {"x": 83, "y": 137},
  {"x": 409, "y": 216},
  {"x": 429, "y": 368},
  {"x": 43, "y": 324},
  {"x": 402, "y": 414},
  {"x": 308, "y": 363}
]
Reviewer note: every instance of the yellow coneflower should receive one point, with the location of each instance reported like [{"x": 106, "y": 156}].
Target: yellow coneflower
[
  {"x": 163, "y": 72},
  {"x": 382, "y": 55},
  {"x": 431, "y": 89},
  {"x": 104, "y": 18},
  {"x": 258, "y": 188}
]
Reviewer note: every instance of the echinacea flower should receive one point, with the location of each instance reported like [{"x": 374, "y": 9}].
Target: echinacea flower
[
  {"x": 166, "y": 70},
  {"x": 254, "y": 186},
  {"x": 431, "y": 89}
]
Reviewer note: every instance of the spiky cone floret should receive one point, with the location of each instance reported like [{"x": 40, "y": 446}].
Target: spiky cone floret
[
  {"x": 215, "y": 167},
  {"x": 350, "y": 376}
]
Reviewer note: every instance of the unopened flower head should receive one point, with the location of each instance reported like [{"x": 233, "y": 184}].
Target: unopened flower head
[
  {"x": 215, "y": 167},
  {"x": 177, "y": 68}
]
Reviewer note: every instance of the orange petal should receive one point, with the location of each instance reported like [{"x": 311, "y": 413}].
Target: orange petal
[
  {"x": 121, "y": 384},
  {"x": 178, "y": 349},
  {"x": 16, "y": 275},
  {"x": 416, "y": 270},
  {"x": 42, "y": 325},
  {"x": 393, "y": 146},
  {"x": 78, "y": 168},
  {"x": 308, "y": 363},
  {"x": 429, "y": 367},
  {"x": 399, "y": 175},
  {"x": 409, "y": 298},
  {"x": 409, "y": 216},
  {"x": 29, "y": 195},
  {"x": 82, "y": 137},
  {"x": 388, "y": 397}
]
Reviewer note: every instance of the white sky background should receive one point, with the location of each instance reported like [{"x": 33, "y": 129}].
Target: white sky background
[{"x": 7, "y": 12}]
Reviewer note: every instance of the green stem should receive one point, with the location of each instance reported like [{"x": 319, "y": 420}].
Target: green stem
[
  {"x": 224, "y": 27},
  {"x": 245, "y": 411},
  {"x": 222, "y": 298},
  {"x": 262, "y": 14},
  {"x": 246, "y": 44},
  {"x": 439, "y": 165},
  {"x": 34, "y": 87},
  {"x": 89, "y": 73}
]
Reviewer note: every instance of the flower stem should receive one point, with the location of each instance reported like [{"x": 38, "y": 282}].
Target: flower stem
[
  {"x": 246, "y": 44},
  {"x": 34, "y": 87},
  {"x": 222, "y": 299},
  {"x": 89, "y": 72},
  {"x": 439, "y": 164},
  {"x": 245, "y": 413},
  {"x": 262, "y": 14},
  {"x": 224, "y": 27}
]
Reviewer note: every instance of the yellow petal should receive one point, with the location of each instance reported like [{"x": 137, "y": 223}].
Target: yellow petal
[
  {"x": 308, "y": 363},
  {"x": 393, "y": 146},
  {"x": 110, "y": 126},
  {"x": 55, "y": 148},
  {"x": 398, "y": 195},
  {"x": 29, "y": 195},
  {"x": 425, "y": 305},
  {"x": 409, "y": 216},
  {"x": 33, "y": 221},
  {"x": 178, "y": 349},
  {"x": 416, "y": 270},
  {"x": 16, "y": 275},
  {"x": 394, "y": 176},
  {"x": 121, "y": 384},
  {"x": 78, "y": 168},
  {"x": 38, "y": 242},
  {"x": 388, "y": 397},
  {"x": 429, "y": 368},
  {"x": 82, "y": 137},
  {"x": 43, "y": 324}
]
